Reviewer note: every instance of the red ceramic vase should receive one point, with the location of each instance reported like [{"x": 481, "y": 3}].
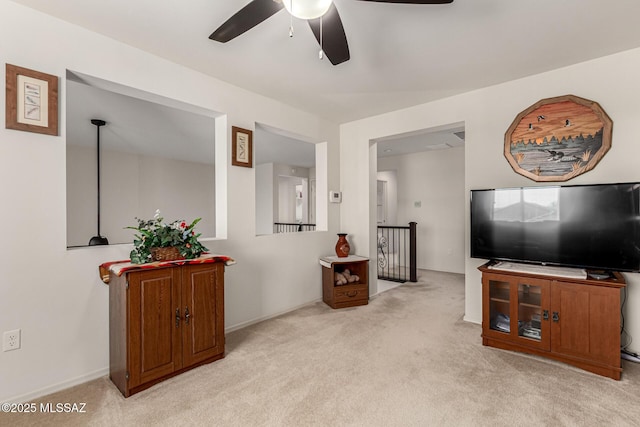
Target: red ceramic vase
[{"x": 342, "y": 247}]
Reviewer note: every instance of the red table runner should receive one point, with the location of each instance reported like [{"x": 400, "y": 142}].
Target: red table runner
[{"x": 119, "y": 267}]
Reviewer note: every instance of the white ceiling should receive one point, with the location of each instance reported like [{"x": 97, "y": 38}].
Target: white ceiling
[
  {"x": 271, "y": 145},
  {"x": 441, "y": 138},
  {"x": 401, "y": 55},
  {"x": 137, "y": 122},
  {"x": 143, "y": 123}
]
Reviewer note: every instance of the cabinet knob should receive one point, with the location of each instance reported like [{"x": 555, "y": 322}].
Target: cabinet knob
[
  {"x": 556, "y": 316},
  {"x": 545, "y": 314},
  {"x": 177, "y": 317},
  {"x": 187, "y": 315}
]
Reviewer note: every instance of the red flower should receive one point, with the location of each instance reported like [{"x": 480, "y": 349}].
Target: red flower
[{"x": 183, "y": 224}]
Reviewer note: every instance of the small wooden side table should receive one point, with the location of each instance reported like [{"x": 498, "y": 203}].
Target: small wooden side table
[{"x": 348, "y": 295}]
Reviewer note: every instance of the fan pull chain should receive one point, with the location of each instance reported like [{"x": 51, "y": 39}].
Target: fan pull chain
[
  {"x": 321, "y": 53},
  {"x": 291, "y": 20}
]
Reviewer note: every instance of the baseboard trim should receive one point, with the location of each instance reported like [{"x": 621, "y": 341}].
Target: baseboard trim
[
  {"x": 470, "y": 320},
  {"x": 105, "y": 371},
  {"x": 388, "y": 284},
  {"x": 59, "y": 386},
  {"x": 243, "y": 325}
]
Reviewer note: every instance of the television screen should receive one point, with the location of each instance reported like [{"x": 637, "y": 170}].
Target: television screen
[{"x": 587, "y": 226}]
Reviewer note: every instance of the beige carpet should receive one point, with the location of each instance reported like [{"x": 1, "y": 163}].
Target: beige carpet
[{"x": 406, "y": 359}]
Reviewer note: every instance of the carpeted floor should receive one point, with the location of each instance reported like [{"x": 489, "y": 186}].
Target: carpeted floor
[{"x": 406, "y": 359}]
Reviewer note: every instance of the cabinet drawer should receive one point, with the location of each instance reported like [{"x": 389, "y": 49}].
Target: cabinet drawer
[{"x": 350, "y": 292}]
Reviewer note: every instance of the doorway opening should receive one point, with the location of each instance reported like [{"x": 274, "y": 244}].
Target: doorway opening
[{"x": 420, "y": 178}]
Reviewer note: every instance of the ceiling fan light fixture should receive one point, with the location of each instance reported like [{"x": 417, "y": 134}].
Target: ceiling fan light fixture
[{"x": 307, "y": 9}]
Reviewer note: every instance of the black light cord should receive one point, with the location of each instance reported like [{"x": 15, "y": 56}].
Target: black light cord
[
  {"x": 624, "y": 299},
  {"x": 623, "y": 347}
]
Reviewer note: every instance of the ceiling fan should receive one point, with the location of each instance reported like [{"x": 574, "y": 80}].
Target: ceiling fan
[{"x": 322, "y": 16}]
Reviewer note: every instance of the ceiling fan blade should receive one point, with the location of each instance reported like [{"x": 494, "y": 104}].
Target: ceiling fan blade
[
  {"x": 413, "y": 1},
  {"x": 245, "y": 19},
  {"x": 334, "y": 39}
]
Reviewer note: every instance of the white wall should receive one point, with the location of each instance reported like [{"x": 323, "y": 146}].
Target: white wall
[
  {"x": 436, "y": 180},
  {"x": 264, "y": 199},
  {"x": 390, "y": 177},
  {"x": 275, "y": 189},
  {"x": 55, "y": 295},
  {"x": 611, "y": 81},
  {"x": 286, "y": 177},
  {"x": 134, "y": 185}
]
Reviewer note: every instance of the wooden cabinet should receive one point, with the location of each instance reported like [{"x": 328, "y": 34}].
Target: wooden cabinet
[
  {"x": 349, "y": 295},
  {"x": 164, "y": 321},
  {"x": 588, "y": 322},
  {"x": 576, "y": 321}
]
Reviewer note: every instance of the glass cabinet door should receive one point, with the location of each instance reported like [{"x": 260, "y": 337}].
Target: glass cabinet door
[
  {"x": 529, "y": 311},
  {"x": 500, "y": 306},
  {"x": 533, "y": 312}
]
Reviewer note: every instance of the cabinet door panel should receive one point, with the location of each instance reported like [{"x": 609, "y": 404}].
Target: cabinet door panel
[
  {"x": 533, "y": 302},
  {"x": 154, "y": 340},
  {"x": 203, "y": 294},
  {"x": 498, "y": 308},
  {"x": 514, "y": 309},
  {"x": 588, "y": 324}
]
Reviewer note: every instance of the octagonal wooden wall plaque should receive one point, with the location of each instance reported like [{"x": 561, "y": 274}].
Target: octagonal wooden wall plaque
[{"x": 557, "y": 139}]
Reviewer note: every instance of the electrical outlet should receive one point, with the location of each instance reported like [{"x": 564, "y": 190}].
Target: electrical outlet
[{"x": 11, "y": 340}]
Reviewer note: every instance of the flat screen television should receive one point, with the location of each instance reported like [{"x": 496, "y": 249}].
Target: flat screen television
[{"x": 587, "y": 226}]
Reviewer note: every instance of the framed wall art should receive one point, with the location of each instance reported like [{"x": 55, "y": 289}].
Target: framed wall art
[
  {"x": 241, "y": 147},
  {"x": 557, "y": 139},
  {"x": 31, "y": 100}
]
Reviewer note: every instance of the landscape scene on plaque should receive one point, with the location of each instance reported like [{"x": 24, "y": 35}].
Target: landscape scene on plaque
[{"x": 557, "y": 139}]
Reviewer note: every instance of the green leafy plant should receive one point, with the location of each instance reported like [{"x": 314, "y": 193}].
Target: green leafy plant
[{"x": 154, "y": 233}]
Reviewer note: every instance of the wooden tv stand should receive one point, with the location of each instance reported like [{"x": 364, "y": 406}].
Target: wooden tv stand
[{"x": 576, "y": 321}]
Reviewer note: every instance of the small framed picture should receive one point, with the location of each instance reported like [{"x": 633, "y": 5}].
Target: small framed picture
[
  {"x": 241, "y": 147},
  {"x": 31, "y": 100}
]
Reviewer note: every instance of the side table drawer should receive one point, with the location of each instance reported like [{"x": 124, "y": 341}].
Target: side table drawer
[{"x": 350, "y": 293}]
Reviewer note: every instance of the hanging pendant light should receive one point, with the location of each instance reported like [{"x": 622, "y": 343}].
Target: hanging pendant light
[
  {"x": 98, "y": 240},
  {"x": 307, "y": 9}
]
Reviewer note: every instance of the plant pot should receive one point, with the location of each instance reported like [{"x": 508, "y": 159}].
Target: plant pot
[{"x": 342, "y": 247}]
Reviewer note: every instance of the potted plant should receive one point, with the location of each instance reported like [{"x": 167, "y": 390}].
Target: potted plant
[{"x": 158, "y": 241}]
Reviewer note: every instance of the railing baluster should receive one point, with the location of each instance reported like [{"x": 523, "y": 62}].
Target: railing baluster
[
  {"x": 292, "y": 227},
  {"x": 413, "y": 251},
  {"x": 393, "y": 245},
  {"x": 397, "y": 252},
  {"x": 389, "y": 260},
  {"x": 404, "y": 264}
]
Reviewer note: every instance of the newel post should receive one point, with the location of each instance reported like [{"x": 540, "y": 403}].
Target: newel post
[{"x": 413, "y": 264}]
